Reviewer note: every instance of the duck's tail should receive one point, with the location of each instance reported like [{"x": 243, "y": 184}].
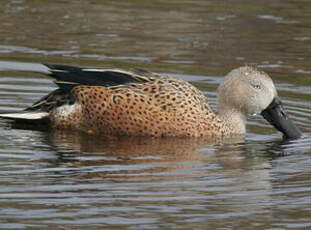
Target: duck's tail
[{"x": 30, "y": 116}]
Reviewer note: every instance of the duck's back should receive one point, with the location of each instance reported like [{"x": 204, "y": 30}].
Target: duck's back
[{"x": 160, "y": 107}]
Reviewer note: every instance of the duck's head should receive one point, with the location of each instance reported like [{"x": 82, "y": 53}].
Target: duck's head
[{"x": 248, "y": 91}]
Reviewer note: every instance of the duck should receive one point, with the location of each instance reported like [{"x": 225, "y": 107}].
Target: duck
[{"x": 137, "y": 102}]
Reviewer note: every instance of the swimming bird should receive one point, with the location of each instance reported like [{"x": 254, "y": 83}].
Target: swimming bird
[{"x": 141, "y": 103}]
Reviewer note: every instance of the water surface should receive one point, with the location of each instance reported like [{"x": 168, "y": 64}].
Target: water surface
[{"x": 63, "y": 180}]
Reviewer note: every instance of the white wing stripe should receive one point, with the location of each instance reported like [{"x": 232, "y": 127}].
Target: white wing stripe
[{"x": 107, "y": 70}]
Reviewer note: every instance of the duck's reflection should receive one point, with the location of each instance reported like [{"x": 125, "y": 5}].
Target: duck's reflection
[
  {"x": 184, "y": 170},
  {"x": 130, "y": 156},
  {"x": 125, "y": 157}
]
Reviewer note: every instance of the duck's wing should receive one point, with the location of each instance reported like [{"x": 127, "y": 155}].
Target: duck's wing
[{"x": 67, "y": 77}]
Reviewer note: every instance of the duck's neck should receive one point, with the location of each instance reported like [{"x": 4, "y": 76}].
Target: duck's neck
[{"x": 233, "y": 119}]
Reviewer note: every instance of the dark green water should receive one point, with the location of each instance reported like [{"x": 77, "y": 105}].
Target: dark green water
[{"x": 63, "y": 180}]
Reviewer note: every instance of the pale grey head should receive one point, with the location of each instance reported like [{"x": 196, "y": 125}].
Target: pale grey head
[{"x": 247, "y": 91}]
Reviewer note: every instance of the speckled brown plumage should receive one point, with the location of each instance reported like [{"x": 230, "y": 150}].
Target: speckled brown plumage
[{"x": 162, "y": 106}]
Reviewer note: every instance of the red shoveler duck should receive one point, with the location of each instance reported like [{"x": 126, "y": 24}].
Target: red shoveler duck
[{"x": 141, "y": 103}]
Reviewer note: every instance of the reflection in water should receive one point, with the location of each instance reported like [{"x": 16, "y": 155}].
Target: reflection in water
[
  {"x": 146, "y": 180},
  {"x": 130, "y": 157},
  {"x": 164, "y": 155}
]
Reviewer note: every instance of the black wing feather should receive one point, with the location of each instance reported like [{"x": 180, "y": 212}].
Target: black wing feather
[
  {"x": 84, "y": 76},
  {"x": 68, "y": 77},
  {"x": 51, "y": 101}
]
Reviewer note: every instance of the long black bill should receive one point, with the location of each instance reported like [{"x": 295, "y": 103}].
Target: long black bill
[{"x": 276, "y": 116}]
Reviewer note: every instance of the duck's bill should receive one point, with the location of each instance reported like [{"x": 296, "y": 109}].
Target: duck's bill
[{"x": 276, "y": 116}]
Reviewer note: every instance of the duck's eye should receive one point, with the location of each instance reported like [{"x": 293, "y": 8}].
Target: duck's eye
[{"x": 256, "y": 86}]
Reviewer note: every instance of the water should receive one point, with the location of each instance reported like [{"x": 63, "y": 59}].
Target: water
[{"x": 63, "y": 180}]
